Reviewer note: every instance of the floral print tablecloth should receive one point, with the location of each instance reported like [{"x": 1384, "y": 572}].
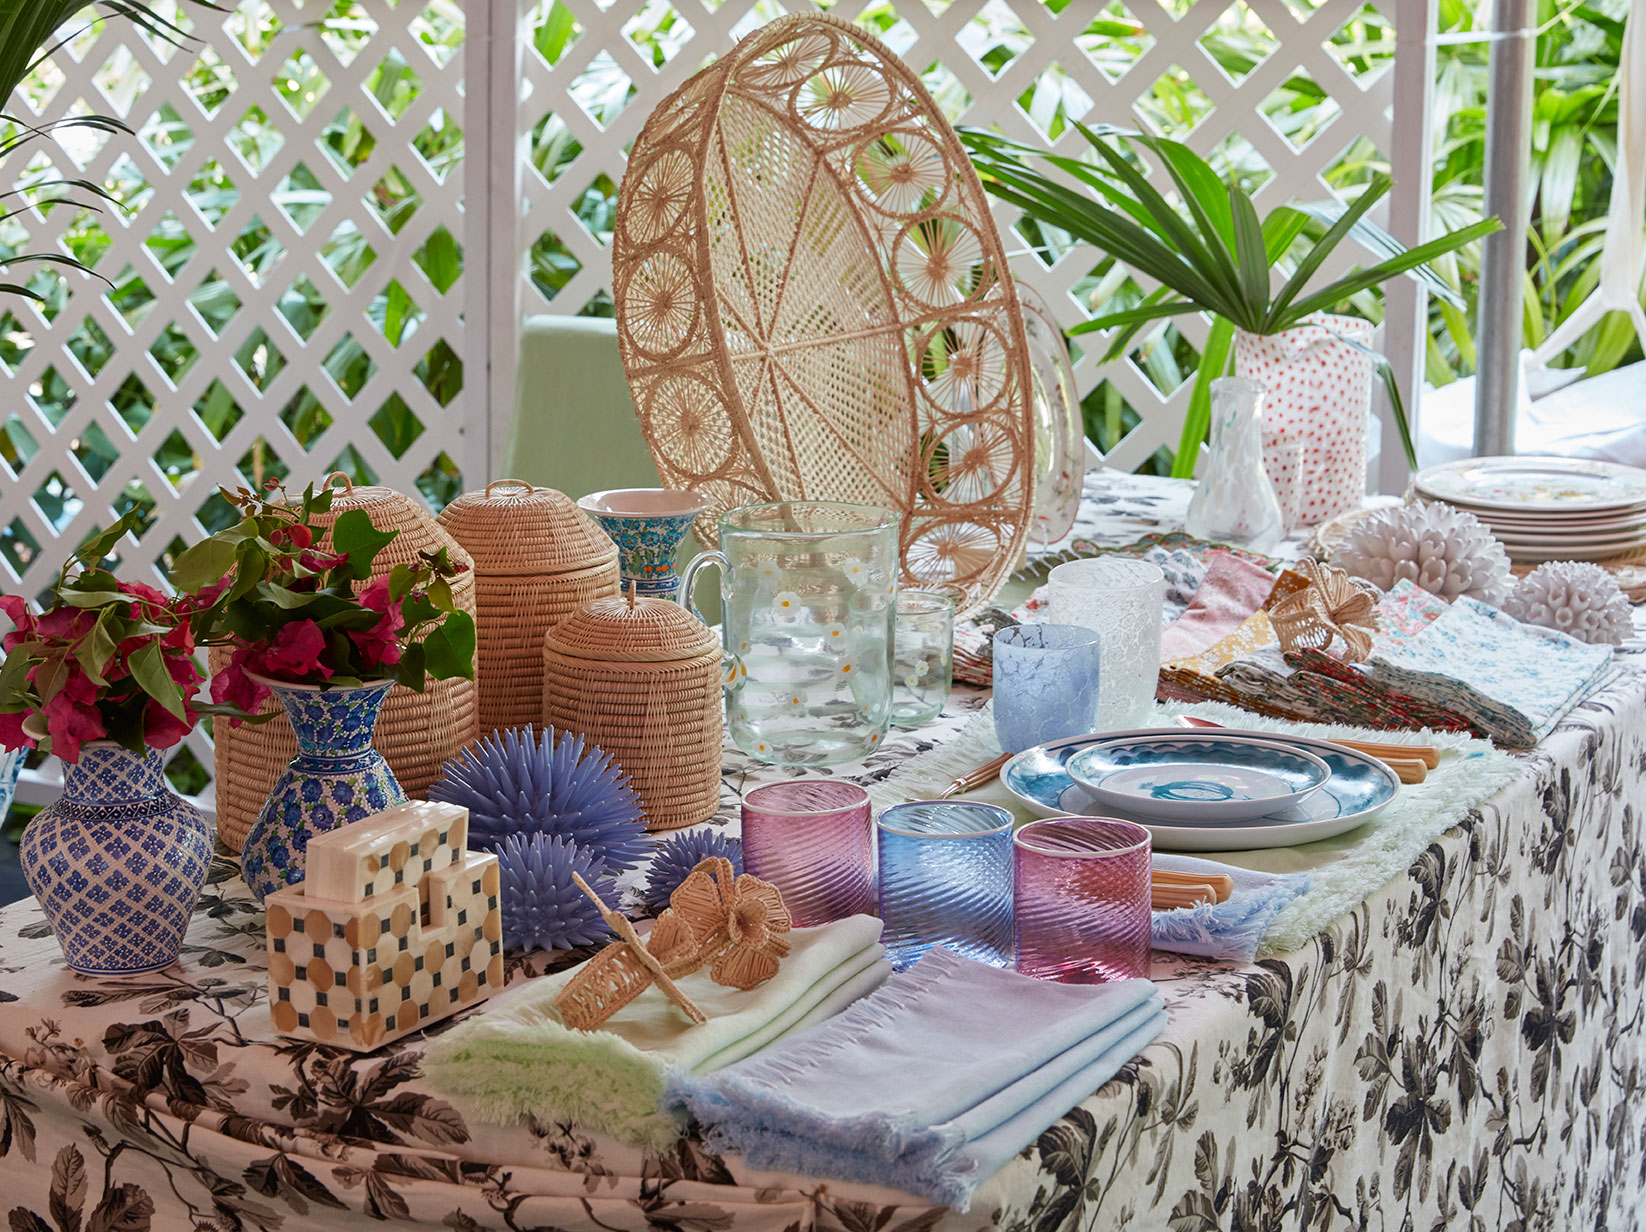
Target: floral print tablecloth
[{"x": 1465, "y": 1050}]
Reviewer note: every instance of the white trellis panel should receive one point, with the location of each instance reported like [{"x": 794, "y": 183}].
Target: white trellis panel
[
  {"x": 607, "y": 54},
  {"x": 206, "y": 373}
]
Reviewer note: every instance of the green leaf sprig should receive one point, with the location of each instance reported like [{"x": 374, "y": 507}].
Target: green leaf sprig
[{"x": 1210, "y": 252}]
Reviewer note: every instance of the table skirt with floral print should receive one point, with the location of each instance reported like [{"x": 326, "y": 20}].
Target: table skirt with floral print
[{"x": 1467, "y": 1049}]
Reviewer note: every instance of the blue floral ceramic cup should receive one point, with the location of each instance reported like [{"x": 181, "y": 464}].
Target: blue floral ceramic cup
[{"x": 647, "y": 525}]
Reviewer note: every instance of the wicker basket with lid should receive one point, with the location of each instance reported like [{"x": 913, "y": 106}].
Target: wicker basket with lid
[
  {"x": 416, "y": 731},
  {"x": 537, "y": 558},
  {"x": 641, "y": 678}
]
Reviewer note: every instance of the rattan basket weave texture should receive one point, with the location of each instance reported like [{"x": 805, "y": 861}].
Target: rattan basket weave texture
[
  {"x": 537, "y": 558},
  {"x": 813, "y": 301},
  {"x": 416, "y": 731},
  {"x": 642, "y": 679}
]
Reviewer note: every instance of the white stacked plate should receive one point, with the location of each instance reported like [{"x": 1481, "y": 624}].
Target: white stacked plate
[{"x": 1547, "y": 508}]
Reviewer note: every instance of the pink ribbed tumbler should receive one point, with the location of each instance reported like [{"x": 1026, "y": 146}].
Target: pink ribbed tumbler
[
  {"x": 1081, "y": 912},
  {"x": 811, "y": 838}
]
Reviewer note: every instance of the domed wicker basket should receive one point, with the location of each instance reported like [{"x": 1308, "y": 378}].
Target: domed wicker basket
[
  {"x": 537, "y": 558},
  {"x": 416, "y": 732},
  {"x": 813, "y": 302},
  {"x": 641, "y": 678}
]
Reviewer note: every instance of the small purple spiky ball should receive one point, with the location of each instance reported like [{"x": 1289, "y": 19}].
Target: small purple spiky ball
[
  {"x": 677, "y": 856},
  {"x": 541, "y": 905},
  {"x": 516, "y": 782}
]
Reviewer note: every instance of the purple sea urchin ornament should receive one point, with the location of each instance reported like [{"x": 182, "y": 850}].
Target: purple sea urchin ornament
[
  {"x": 542, "y": 907},
  {"x": 677, "y": 856},
  {"x": 514, "y": 782}
]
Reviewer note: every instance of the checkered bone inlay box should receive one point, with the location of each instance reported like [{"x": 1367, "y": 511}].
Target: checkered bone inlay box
[{"x": 397, "y": 925}]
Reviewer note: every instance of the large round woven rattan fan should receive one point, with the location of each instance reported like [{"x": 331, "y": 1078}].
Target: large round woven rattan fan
[{"x": 813, "y": 301}]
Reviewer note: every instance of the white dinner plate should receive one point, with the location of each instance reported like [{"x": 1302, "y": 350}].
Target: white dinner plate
[{"x": 1535, "y": 483}]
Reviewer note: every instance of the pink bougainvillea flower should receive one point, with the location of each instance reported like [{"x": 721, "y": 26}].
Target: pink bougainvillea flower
[
  {"x": 69, "y": 623},
  {"x": 17, "y": 611},
  {"x": 185, "y": 672},
  {"x": 379, "y": 645},
  {"x": 145, "y": 592},
  {"x": 233, "y": 687},
  {"x": 206, "y": 595},
  {"x": 162, "y": 729},
  {"x": 12, "y": 735},
  {"x": 320, "y": 562},
  {"x": 72, "y": 717},
  {"x": 296, "y": 653}
]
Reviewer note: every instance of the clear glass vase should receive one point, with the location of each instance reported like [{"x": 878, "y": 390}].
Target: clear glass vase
[{"x": 1234, "y": 501}]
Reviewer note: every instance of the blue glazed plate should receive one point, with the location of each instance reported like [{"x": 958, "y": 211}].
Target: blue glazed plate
[
  {"x": 1198, "y": 776},
  {"x": 1359, "y": 789}
]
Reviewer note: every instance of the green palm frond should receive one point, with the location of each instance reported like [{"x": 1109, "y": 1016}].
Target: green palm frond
[
  {"x": 1210, "y": 252},
  {"x": 30, "y": 32}
]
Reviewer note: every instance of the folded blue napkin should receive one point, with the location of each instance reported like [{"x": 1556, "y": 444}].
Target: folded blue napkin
[
  {"x": 930, "y": 1084},
  {"x": 1232, "y": 929}
]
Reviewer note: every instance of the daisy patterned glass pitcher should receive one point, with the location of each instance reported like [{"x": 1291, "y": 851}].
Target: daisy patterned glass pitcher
[{"x": 808, "y": 597}]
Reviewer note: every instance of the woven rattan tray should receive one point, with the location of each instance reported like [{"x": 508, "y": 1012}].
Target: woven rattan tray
[{"x": 813, "y": 302}]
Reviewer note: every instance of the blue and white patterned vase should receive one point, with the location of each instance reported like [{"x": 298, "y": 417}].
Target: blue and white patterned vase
[
  {"x": 647, "y": 525},
  {"x": 118, "y": 862},
  {"x": 336, "y": 777}
]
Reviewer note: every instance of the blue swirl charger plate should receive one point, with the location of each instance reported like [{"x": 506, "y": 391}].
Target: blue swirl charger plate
[{"x": 1359, "y": 789}]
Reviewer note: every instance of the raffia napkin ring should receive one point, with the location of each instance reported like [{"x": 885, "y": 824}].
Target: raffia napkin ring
[
  {"x": 736, "y": 925},
  {"x": 1331, "y": 604}
]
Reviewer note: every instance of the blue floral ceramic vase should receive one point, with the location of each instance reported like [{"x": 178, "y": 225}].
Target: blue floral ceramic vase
[
  {"x": 337, "y": 777},
  {"x": 117, "y": 863},
  {"x": 647, "y": 525}
]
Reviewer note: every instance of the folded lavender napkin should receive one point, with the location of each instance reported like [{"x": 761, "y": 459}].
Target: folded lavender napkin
[{"x": 929, "y": 1084}]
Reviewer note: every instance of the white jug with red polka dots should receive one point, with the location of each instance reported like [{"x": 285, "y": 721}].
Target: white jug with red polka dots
[{"x": 1320, "y": 391}]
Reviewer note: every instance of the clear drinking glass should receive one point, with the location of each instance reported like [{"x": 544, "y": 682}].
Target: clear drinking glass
[
  {"x": 811, "y": 838},
  {"x": 809, "y": 590},
  {"x": 1081, "y": 900},
  {"x": 923, "y": 661},
  {"x": 1123, "y": 601},
  {"x": 1045, "y": 684},
  {"x": 946, "y": 879}
]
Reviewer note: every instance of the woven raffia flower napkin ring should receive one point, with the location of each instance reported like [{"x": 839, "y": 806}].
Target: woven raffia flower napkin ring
[
  {"x": 1330, "y": 604},
  {"x": 737, "y": 925}
]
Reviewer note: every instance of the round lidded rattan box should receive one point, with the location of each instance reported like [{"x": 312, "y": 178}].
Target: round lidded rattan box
[
  {"x": 537, "y": 558},
  {"x": 416, "y": 732},
  {"x": 641, "y": 678}
]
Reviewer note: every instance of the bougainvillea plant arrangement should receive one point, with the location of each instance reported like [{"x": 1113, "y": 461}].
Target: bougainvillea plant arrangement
[
  {"x": 106, "y": 659},
  {"x": 299, "y": 603}
]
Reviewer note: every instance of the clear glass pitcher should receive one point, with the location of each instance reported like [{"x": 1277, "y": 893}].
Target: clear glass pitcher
[{"x": 808, "y": 600}]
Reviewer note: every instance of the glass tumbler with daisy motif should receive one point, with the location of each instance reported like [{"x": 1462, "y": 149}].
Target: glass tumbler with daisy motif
[
  {"x": 808, "y": 599},
  {"x": 923, "y": 660}
]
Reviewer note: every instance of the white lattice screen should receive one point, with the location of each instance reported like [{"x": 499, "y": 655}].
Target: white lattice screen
[{"x": 304, "y": 270}]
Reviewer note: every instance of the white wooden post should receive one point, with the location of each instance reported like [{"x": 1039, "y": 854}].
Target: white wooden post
[
  {"x": 492, "y": 51},
  {"x": 1405, "y": 322}
]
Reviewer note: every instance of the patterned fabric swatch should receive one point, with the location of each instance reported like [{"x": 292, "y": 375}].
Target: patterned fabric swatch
[{"x": 1513, "y": 681}]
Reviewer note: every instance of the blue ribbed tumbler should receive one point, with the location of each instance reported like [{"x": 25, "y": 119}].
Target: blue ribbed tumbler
[
  {"x": 1045, "y": 684},
  {"x": 946, "y": 879}
]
